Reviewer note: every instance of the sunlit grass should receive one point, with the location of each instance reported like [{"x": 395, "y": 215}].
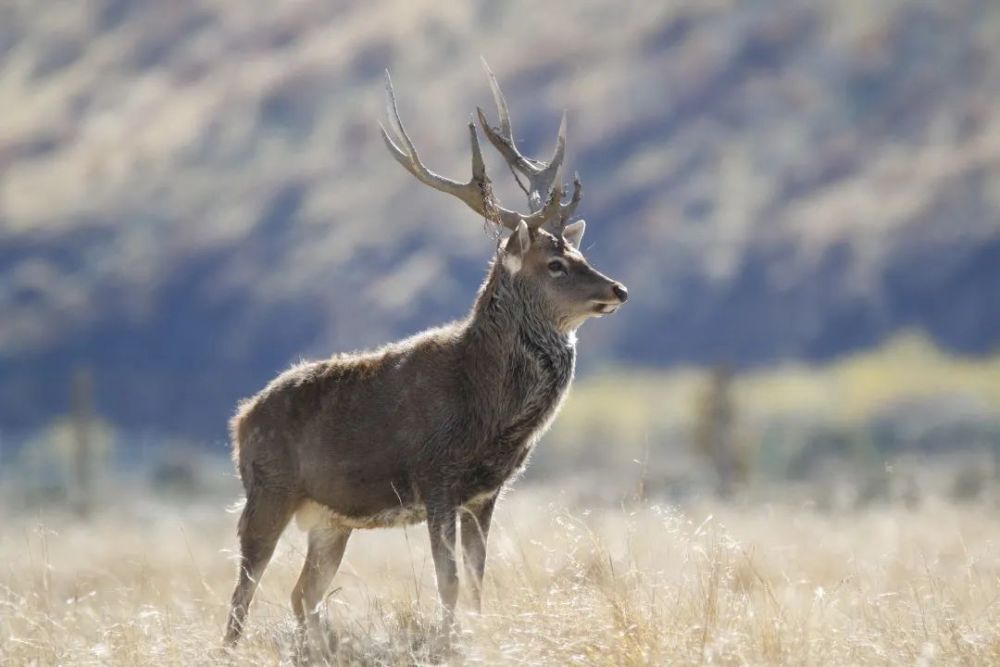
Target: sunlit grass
[{"x": 645, "y": 585}]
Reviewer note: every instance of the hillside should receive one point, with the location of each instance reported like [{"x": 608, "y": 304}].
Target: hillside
[{"x": 193, "y": 194}]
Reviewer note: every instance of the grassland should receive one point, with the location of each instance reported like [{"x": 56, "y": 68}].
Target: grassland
[
  {"x": 898, "y": 388},
  {"x": 146, "y": 583},
  {"x": 585, "y": 568}
]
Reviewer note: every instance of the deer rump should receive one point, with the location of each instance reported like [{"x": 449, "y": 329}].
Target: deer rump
[{"x": 369, "y": 441}]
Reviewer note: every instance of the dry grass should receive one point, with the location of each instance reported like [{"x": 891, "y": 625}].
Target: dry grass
[{"x": 148, "y": 583}]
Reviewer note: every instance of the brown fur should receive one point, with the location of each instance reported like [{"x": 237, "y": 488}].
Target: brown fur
[
  {"x": 434, "y": 426},
  {"x": 426, "y": 428}
]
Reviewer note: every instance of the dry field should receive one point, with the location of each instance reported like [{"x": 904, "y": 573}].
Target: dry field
[{"x": 147, "y": 584}]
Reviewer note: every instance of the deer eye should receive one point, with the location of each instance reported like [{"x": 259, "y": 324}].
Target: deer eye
[{"x": 557, "y": 268}]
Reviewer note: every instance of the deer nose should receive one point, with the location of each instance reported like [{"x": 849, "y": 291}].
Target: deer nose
[{"x": 621, "y": 292}]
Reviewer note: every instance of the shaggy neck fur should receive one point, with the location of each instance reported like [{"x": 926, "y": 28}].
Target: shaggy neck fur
[
  {"x": 507, "y": 306},
  {"x": 512, "y": 336}
]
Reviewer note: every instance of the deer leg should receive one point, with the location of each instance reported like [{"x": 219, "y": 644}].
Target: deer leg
[
  {"x": 326, "y": 549},
  {"x": 475, "y": 531},
  {"x": 261, "y": 524},
  {"x": 441, "y": 523}
]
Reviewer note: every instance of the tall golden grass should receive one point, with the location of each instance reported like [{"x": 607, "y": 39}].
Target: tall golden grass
[{"x": 147, "y": 584}]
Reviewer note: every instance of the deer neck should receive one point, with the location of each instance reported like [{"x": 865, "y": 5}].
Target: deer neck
[
  {"x": 523, "y": 364},
  {"x": 507, "y": 313}
]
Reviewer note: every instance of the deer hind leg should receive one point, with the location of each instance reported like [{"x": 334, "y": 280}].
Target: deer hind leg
[
  {"x": 264, "y": 518},
  {"x": 325, "y": 551}
]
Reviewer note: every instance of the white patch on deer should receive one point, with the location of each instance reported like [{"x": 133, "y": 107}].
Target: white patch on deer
[
  {"x": 511, "y": 262},
  {"x": 309, "y": 515},
  {"x": 312, "y": 514}
]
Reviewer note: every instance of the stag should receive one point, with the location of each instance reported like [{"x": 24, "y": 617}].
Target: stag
[{"x": 431, "y": 428}]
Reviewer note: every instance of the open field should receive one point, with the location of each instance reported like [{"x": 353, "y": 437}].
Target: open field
[
  {"x": 885, "y": 551},
  {"x": 147, "y": 583},
  {"x": 783, "y": 450}
]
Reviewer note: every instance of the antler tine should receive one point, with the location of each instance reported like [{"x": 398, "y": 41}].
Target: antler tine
[
  {"x": 556, "y": 222},
  {"x": 569, "y": 208},
  {"x": 473, "y": 193},
  {"x": 502, "y": 109},
  {"x": 541, "y": 175}
]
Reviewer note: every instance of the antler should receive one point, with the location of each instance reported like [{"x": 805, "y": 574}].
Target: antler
[
  {"x": 476, "y": 193},
  {"x": 541, "y": 176}
]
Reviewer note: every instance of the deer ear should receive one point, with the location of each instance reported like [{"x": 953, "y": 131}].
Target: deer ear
[
  {"x": 517, "y": 244},
  {"x": 573, "y": 233}
]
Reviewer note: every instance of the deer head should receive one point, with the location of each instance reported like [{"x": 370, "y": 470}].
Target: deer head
[{"x": 542, "y": 252}]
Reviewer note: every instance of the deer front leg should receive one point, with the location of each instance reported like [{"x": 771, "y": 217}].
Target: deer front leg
[
  {"x": 441, "y": 523},
  {"x": 475, "y": 531}
]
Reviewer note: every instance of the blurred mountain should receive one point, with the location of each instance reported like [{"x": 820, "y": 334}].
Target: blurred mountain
[{"x": 193, "y": 194}]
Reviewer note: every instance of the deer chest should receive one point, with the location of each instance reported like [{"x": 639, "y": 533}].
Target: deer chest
[
  {"x": 546, "y": 375},
  {"x": 534, "y": 388}
]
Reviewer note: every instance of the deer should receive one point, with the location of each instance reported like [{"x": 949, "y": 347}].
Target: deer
[{"x": 432, "y": 428}]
